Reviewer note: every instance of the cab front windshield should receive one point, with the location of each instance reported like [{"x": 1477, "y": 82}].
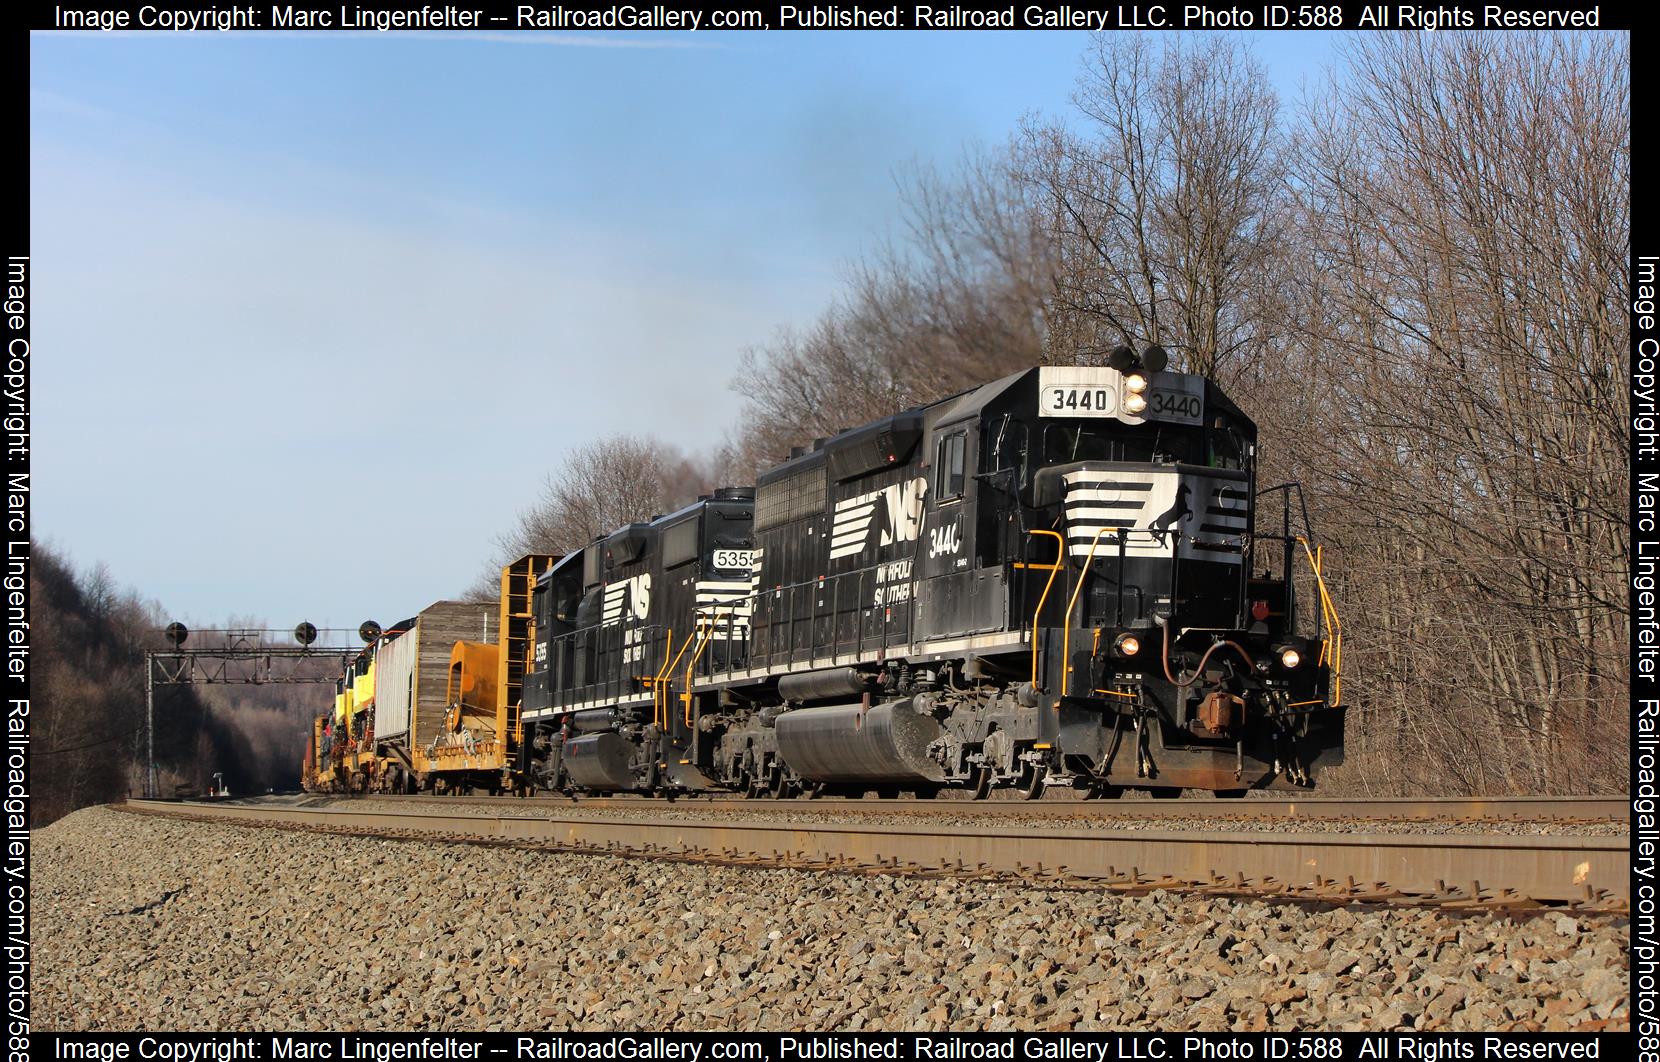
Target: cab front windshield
[
  {"x": 1149, "y": 444},
  {"x": 1062, "y": 442},
  {"x": 1219, "y": 446}
]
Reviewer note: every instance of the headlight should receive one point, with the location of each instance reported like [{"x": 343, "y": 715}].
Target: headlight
[
  {"x": 1134, "y": 403},
  {"x": 1127, "y": 645},
  {"x": 1135, "y": 383},
  {"x": 1290, "y": 658}
]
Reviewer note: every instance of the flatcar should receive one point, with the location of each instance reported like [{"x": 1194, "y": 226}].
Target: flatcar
[{"x": 431, "y": 702}]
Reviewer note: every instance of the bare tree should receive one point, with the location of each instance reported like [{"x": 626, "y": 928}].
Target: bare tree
[
  {"x": 954, "y": 299},
  {"x": 598, "y": 487},
  {"x": 1466, "y": 228},
  {"x": 1166, "y": 206}
]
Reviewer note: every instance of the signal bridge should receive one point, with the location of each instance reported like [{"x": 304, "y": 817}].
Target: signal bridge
[{"x": 241, "y": 657}]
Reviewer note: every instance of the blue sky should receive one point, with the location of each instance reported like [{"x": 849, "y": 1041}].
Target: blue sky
[{"x": 316, "y": 313}]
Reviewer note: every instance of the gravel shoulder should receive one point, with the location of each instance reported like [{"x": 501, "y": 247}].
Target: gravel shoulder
[{"x": 144, "y": 923}]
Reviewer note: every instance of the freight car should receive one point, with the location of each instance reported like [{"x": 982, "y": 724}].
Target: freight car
[
  {"x": 1056, "y": 578},
  {"x": 431, "y": 703}
]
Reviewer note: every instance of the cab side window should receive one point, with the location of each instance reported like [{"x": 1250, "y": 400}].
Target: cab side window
[{"x": 948, "y": 466}]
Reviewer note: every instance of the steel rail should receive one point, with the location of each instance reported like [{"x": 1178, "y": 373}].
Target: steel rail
[
  {"x": 1542, "y": 809},
  {"x": 1546, "y": 868}
]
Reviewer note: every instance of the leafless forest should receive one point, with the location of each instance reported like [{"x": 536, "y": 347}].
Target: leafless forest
[
  {"x": 87, "y": 691},
  {"x": 1413, "y": 279}
]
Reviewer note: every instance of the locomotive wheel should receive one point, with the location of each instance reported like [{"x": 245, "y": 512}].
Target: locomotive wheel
[
  {"x": 980, "y": 781},
  {"x": 1166, "y": 794},
  {"x": 780, "y": 788},
  {"x": 1031, "y": 780}
]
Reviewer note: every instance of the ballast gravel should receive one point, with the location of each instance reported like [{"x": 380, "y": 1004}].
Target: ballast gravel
[
  {"x": 142, "y": 922},
  {"x": 1096, "y": 817}
]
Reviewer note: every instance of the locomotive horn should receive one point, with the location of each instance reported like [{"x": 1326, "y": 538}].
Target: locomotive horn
[
  {"x": 1153, "y": 359},
  {"x": 1121, "y": 358},
  {"x": 369, "y": 631},
  {"x": 176, "y": 633},
  {"x": 305, "y": 634}
]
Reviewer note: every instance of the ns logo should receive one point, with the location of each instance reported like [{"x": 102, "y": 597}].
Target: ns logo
[
  {"x": 628, "y": 599},
  {"x": 883, "y": 517}
]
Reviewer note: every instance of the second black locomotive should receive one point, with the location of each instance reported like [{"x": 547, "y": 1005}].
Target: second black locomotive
[{"x": 1057, "y": 577}]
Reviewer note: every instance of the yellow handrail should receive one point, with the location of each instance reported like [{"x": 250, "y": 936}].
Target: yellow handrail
[
  {"x": 1332, "y": 650},
  {"x": 1066, "y": 630},
  {"x": 1060, "y": 560},
  {"x": 705, "y": 635},
  {"x": 659, "y": 703},
  {"x": 703, "y": 643}
]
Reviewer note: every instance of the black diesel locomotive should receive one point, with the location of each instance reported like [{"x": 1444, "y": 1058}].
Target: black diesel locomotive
[{"x": 1055, "y": 578}]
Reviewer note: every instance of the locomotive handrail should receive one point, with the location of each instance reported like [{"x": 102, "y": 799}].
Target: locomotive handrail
[
  {"x": 686, "y": 696},
  {"x": 601, "y": 641},
  {"x": 815, "y": 616},
  {"x": 659, "y": 699},
  {"x": 1037, "y": 615},
  {"x": 1066, "y": 623},
  {"x": 711, "y": 622},
  {"x": 1332, "y": 648}
]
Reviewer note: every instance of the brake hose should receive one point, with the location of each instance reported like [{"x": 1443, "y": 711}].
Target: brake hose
[{"x": 1200, "y": 668}]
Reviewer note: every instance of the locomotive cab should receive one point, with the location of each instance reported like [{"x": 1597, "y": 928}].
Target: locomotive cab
[{"x": 1150, "y": 621}]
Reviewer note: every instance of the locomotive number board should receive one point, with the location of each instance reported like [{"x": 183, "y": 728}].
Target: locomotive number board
[
  {"x": 1064, "y": 401},
  {"x": 1098, "y": 391},
  {"x": 1078, "y": 391},
  {"x": 1186, "y": 407},
  {"x": 734, "y": 559}
]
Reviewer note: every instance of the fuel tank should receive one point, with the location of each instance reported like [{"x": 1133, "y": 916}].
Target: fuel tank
[
  {"x": 850, "y": 743},
  {"x": 594, "y": 720},
  {"x": 825, "y": 685},
  {"x": 600, "y": 761}
]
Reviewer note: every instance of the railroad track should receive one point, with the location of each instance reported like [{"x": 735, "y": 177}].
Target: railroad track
[
  {"x": 1529, "y": 809},
  {"x": 1457, "y": 871}
]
